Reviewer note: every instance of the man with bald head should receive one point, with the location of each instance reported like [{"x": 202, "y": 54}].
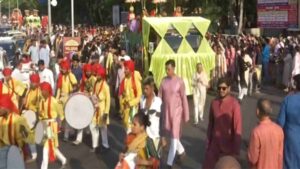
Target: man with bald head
[{"x": 266, "y": 142}]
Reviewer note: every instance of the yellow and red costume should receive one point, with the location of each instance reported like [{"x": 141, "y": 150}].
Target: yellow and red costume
[
  {"x": 130, "y": 93},
  {"x": 87, "y": 83},
  {"x": 65, "y": 83},
  {"x": 49, "y": 112},
  {"x": 14, "y": 88},
  {"x": 102, "y": 92},
  {"x": 14, "y": 129},
  {"x": 33, "y": 96}
]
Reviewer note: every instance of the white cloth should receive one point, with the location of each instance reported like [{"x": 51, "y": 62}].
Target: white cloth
[
  {"x": 200, "y": 84},
  {"x": 247, "y": 72},
  {"x": 34, "y": 54},
  {"x": 46, "y": 75},
  {"x": 296, "y": 64},
  {"x": 58, "y": 154},
  {"x": 95, "y": 135},
  {"x": 18, "y": 75},
  {"x": 153, "y": 129},
  {"x": 287, "y": 70},
  {"x": 175, "y": 146},
  {"x": 44, "y": 54}
]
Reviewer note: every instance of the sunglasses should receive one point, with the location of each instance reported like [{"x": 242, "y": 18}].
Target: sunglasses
[{"x": 222, "y": 88}]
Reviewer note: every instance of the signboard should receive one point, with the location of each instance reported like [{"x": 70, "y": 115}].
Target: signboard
[
  {"x": 277, "y": 13},
  {"x": 71, "y": 45}
]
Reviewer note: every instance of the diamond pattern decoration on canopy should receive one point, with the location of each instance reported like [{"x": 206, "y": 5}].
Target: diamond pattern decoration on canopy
[
  {"x": 173, "y": 38},
  {"x": 194, "y": 38}
]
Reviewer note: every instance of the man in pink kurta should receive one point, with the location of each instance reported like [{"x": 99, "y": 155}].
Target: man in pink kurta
[
  {"x": 266, "y": 142},
  {"x": 175, "y": 110},
  {"x": 225, "y": 126}
]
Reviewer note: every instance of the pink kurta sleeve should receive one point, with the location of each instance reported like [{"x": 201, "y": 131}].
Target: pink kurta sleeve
[
  {"x": 237, "y": 126},
  {"x": 253, "y": 150},
  {"x": 185, "y": 105}
]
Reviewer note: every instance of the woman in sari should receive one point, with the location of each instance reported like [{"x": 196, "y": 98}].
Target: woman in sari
[{"x": 140, "y": 152}]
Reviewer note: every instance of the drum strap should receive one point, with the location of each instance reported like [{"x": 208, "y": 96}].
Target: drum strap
[
  {"x": 100, "y": 89},
  {"x": 49, "y": 108}
]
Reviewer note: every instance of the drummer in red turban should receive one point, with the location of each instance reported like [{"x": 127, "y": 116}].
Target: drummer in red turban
[
  {"x": 14, "y": 88},
  {"x": 10, "y": 122},
  {"x": 101, "y": 117},
  {"x": 130, "y": 93},
  {"x": 66, "y": 84},
  {"x": 33, "y": 95},
  {"x": 88, "y": 80},
  {"x": 32, "y": 101},
  {"x": 50, "y": 110}
]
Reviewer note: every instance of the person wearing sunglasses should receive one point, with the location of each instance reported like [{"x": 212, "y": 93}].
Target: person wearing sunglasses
[{"x": 224, "y": 127}]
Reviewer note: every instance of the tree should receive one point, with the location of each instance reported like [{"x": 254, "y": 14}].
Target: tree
[{"x": 241, "y": 17}]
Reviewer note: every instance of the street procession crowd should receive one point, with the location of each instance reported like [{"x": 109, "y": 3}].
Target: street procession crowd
[{"x": 33, "y": 103}]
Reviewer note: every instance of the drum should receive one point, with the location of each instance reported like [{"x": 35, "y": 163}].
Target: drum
[
  {"x": 79, "y": 111},
  {"x": 30, "y": 117},
  {"x": 11, "y": 158},
  {"x": 40, "y": 132}
]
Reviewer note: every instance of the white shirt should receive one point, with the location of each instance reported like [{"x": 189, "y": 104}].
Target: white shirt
[
  {"x": 153, "y": 129},
  {"x": 34, "y": 53},
  {"x": 296, "y": 64},
  {"x": 44, "y": 54},
  {"x": 47, "y": 76},
  {"x": 18, "y": 75}
]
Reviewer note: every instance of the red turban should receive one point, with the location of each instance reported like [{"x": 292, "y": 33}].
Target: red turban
[
  {"x": 95, "y": 67},
  {"x": 130, "y": 65},
  {"x": 101, "y": 72},
  {"x": 7, "y": 71},
  {"x": 87, "y": 68},
  {"x": 35, "y": 78},
  {"x": 45, "y": 86},
  {"x": 64, "y": 65},
  {"x": 7, "y": 103}
]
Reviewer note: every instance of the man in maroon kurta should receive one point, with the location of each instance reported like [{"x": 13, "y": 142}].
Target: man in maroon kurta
[
  {"x": 266, "y": 141},
  {"x": 224, "y": 127},
  {"x": 175, "y": 110}
]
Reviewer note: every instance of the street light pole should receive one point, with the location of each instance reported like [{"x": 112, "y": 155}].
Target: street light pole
[
  {"x": 72, "y": 17},
  {"x": 49, "y": 18}
]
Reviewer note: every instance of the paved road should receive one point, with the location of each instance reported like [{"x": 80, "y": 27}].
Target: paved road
[{"x": 193, "y": 139}]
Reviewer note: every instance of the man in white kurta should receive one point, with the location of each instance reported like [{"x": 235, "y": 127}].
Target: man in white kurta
[
  {"x": 200, "y": 85},
  {"x": 46, "y": 75}
]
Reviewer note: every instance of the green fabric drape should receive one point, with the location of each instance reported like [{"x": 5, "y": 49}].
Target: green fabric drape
[
  {"x": 186, "y": 58},
  {"x": 182, "y": 27}
]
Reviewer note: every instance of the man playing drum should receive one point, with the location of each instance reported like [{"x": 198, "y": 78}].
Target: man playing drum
[
  {"x": 13, "y": 127},
  {"x": 86, "y": 86},
  {"x": 32, "y": 101},
  {"x": 49, "y": 112},
  {"x": 101, "y": 118},
  {"x": 130, "y": 93},
  {"x": 14, "y": 88},
  {"x": 66, "y": 84}
]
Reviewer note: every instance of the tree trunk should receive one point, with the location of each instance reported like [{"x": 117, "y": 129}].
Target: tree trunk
[{"x": 241, "y": 18}]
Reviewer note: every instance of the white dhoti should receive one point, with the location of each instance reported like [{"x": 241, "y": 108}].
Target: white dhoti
[{"x": 199, "y": 98}]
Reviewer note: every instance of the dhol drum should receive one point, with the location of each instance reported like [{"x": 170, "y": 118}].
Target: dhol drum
[
  {"x": 79, "y": 111},
  {"x": 40, "y": 132},
  {"x": 11, "y": 158},
  {"x": 30, "y": 117}
]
